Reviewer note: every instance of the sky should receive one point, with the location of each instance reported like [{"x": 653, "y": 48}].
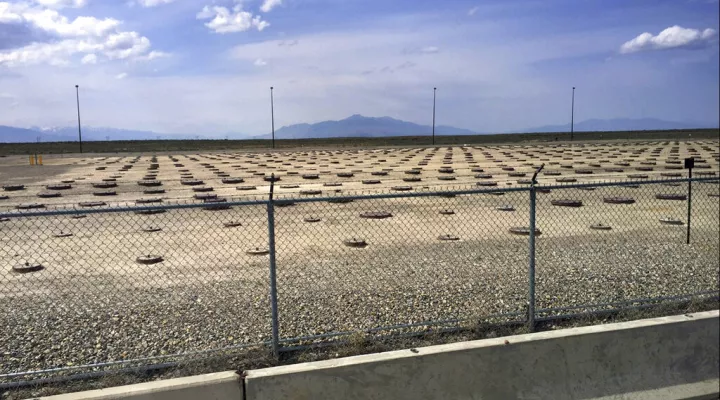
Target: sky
[{"x": 206, "y": 66}]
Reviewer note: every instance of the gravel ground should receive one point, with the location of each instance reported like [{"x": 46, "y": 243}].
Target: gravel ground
[
  {"x": 370, "y": 289},
  {"x": 261, "y": 357}
]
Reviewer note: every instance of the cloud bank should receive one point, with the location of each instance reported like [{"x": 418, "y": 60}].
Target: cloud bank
[
  {"x": 224, "y": 20},
  {"x": 91, "y": 39},
  {"x": 670, "y": 38}
]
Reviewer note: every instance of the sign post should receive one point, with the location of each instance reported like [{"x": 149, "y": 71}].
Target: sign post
[{"x": 689, "y": 164}]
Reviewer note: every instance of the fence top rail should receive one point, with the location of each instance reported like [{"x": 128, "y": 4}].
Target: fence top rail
[
  {"x": 627, "y": 183},
  {"x": 471, "y": 191},
  {"x": 399, "y": 195},
  {"x": 292, "y": 197},
  {"x": 121, "y": 209}
]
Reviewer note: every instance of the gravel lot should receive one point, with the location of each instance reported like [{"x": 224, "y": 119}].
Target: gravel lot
[
  {"x": 93, "y": 302},
  {"x": 434, "y": 282}
]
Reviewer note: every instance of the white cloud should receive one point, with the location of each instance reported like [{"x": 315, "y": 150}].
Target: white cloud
[
  {"x": 124, "y": 45},
  {"x": 268, "y": 5},
  {"x": 473, "y": 10},
  {"x": 260, "y": 62},
  {"x": 85, "y": 35},
  {"x": 89, "y": 59},
  {"x": 153, "y": 55},
  {"x": 153, "y": 3},
  {"x": 206, "y": 12},
  {"x": 121, "y": 75},
  {"x": 34, "y": 53},
  {"x": 62, "y": 3},
  {"x": 52, "y": 22},
  {"x": 421, "y": 50},
  {"x": 223, "y": 20},
  {"x": 672, "y": 37},
  {"x": 10, "y": 13}
]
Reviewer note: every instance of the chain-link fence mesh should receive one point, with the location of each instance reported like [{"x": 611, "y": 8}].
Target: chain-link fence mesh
[
  {"x": 605, "y": 244},
  {"x": 356, "y": 264},
  {"x": 398, "y": 262},
  {"x": 704, "y": 220},
  {"x": 113, "y": 286}
]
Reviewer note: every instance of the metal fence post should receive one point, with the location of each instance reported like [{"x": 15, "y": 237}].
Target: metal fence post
[
  {"x": 273, "y": 276},
  {"x": 531, "y": 270},
  {"x": 689, "y": 206}
]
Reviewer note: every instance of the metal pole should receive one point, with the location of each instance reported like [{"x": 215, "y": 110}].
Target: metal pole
[
  {"x": 433, "y": 128},
  {"x": 531, "y": 269},
  {"x": 77, "y": 96},
  {"x": 572, "y": 115},
  {"x": 689, "y": 205},
  {"x": 273, "y": 276},
  {"x": 272, "y": 116}
]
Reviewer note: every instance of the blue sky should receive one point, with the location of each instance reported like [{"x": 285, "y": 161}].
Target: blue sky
[{"x": 204, "y": 66}]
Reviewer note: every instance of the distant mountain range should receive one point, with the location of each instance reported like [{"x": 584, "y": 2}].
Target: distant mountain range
[
  {"x": 353, "y": 126},
  {"x": 620, "y": 124},
  {"x": 9, "y": 134},
  {"x": 360, "y": 126}
]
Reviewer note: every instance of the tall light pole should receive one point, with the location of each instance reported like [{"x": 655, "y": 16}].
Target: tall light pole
[
  {"x": 77, "y": 96},
  {"x": 433, "y": 129},
  {"x": 572, "y": 115},
  {"x": 272, "y": 116}
]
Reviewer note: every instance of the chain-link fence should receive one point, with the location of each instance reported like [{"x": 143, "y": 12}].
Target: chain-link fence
[
  {"x": 601, "y": 245},
  {"x": 101, "y": 287},
  {"x": 108, "y": 285},
  {"x": 398, "y": 261}
]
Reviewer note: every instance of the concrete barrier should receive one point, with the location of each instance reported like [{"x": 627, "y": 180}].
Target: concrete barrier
[
  {"x": 217, "y": 386},
  {"x": 661, "y": 358}
]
